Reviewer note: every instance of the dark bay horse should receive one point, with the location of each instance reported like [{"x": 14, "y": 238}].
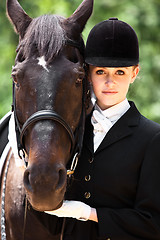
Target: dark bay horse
[{"x": 48, "y": 94}]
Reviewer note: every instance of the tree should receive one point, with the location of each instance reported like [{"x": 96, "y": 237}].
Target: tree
[{"x": 144, "y": 18}]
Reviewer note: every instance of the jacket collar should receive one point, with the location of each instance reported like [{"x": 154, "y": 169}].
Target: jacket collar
[{"x": 123, "y": 127}]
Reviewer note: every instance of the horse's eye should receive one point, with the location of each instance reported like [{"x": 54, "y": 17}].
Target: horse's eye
[
  {"x": 15, "y": 80},
  {"x": 14, "y": 77},
  {"x": 80, "y": 75},
  {"x": 79, "y": 80}
]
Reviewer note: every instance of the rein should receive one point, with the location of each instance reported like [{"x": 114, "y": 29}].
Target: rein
[{"x": 3, "y": 227}]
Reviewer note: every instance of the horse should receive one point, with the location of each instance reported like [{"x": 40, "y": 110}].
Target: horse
[{"x": 48, "y": 110}]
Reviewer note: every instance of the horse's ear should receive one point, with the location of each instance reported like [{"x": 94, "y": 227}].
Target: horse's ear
[
  {"x": 81, "y": 15},
  {"x": 18, "y": 17}
]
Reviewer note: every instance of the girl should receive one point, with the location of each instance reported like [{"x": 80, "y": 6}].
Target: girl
[{"x": 116, "y": 186}]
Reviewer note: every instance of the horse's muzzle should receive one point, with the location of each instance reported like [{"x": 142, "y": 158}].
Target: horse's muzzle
[{"x": 45, "y": 188}]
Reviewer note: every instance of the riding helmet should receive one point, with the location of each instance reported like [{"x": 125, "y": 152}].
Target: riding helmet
[{"x": 112, "y": 43}]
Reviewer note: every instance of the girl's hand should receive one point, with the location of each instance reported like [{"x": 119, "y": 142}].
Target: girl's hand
[{"x": 73, "y": 209}]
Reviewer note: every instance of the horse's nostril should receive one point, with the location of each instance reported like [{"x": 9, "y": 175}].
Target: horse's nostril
[
  {"x": 62, "y": 179},
  {"x": 55, "y": 179},
  {"x": 27, "y": 180}
]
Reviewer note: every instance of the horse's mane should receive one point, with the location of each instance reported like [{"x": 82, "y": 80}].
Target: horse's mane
[{"x": 44, "y": 36}]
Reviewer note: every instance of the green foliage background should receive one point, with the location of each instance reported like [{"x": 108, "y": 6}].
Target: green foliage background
[{"x": 142, "y": 15}]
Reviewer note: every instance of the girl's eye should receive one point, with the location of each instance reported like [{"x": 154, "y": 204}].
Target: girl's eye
[
  {"x": 99, "y": 72},
  {"x": 120, "y": 72}
]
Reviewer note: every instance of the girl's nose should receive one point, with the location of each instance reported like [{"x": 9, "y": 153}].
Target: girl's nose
[{"x": 109, "y": 80}]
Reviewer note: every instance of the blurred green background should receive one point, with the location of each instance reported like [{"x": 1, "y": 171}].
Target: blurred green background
[{"x": 142, "y": 15}]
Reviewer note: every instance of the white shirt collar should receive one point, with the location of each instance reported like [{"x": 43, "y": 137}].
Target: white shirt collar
[{"x": 115, "y": 112}]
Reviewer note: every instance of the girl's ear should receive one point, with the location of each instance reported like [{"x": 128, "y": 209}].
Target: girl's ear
[{"x": 135, "y": 73}]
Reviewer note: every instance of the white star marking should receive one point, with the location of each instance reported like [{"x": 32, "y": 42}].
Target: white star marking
[{"x": 42, "y": 62}]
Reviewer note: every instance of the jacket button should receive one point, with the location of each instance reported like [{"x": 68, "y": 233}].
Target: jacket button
[
  {"x": 87, "y": 178},
  {"x": 90, "y": 160},
  {"x": 87, "y": 195}
]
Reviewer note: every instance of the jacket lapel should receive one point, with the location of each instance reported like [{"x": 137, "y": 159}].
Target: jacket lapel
[
  {"x": 124, "y": 127},
  {"x": 88, "y": 135}
]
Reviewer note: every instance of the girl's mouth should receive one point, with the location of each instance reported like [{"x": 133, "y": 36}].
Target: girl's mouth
[{"x": 109, "y": 92}]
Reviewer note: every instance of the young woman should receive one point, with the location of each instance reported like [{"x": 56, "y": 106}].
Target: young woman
[{"x": 116, "y": 185}]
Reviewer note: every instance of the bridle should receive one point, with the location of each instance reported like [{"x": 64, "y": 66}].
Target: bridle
[
  {"x": 76, "y": 139},
  {"x": 46, "y": 115}
]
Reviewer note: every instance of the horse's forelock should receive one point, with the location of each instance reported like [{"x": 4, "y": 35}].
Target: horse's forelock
[{"x": 44, "y": 35}]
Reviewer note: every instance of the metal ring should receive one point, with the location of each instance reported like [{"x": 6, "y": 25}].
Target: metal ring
[{"x": 74, "y": 162}]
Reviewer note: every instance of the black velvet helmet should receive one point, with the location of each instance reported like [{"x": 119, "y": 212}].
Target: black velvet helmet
[{"x": 112, "y": 43}]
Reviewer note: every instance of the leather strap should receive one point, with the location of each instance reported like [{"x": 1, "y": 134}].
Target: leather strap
[{"x": 46, "y": 115}]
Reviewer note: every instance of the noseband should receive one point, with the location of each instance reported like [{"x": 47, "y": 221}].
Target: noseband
[{"x": 46, "y": 115}]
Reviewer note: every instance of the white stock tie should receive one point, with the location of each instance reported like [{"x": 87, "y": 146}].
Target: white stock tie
[
  {"x": 101, "y": 126},
  {"x": 100, "y": 122}
]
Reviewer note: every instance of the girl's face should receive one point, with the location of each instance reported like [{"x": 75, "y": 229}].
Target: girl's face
[{"x": 111, "y": 85}]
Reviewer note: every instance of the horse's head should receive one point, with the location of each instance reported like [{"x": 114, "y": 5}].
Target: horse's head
[{"x": 48, "y": 88}]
